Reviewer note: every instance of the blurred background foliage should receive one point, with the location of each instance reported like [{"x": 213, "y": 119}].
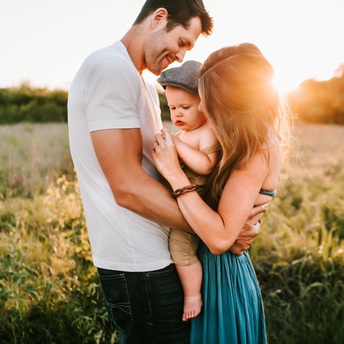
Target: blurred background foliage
[
  {"x": 49, "y": 289},
  {"x": 313, "y": 101}
]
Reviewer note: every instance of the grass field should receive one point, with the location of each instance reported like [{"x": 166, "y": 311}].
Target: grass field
[{"x": 49, "y": 290}]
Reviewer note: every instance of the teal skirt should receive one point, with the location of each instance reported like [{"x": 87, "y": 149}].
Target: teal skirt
[{"x": 232, "y": 311}]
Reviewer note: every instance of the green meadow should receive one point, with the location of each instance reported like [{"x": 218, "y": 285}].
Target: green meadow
[{"x": 49, "y": 291}]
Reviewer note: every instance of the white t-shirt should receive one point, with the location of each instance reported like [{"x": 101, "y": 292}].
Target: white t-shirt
[{"x": 107, "y": 93}]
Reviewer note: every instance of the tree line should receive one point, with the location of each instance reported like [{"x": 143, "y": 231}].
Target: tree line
[
  {"x": 320, "y": 101},
  {"x": 313, "y": 102},
  {"x": 27, "y": 104}
]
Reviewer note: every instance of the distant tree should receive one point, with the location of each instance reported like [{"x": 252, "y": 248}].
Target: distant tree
[
  {"x": 165, "y": 110},
  {"x": 320, "y": 101},
  {"x": 27, "y": 104}
]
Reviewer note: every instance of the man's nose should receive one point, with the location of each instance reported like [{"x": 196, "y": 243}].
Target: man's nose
[{"x": 180, "y": 56}]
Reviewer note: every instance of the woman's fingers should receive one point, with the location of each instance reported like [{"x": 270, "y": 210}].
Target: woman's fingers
[{"x": 163, "y": 139}]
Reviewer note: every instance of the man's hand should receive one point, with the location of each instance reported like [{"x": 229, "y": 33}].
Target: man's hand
[{"x": 249, "y": 231}]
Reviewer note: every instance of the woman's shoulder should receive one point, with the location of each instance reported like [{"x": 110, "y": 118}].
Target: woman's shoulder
[{"x": 273, "y": 141}]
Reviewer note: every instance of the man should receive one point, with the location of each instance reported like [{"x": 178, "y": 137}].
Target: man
[{"x": 113, "y": 116}]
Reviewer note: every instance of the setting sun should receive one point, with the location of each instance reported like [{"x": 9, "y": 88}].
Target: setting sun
[
  {"x": 290, "y": 77},
  {"x": 285, "y": 83}
]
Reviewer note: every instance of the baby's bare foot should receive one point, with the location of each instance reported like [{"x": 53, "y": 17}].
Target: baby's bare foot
[{"x": 192, "y": 306}]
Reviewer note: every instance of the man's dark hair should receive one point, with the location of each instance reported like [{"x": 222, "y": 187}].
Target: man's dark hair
[{"x": 179, "y": 13}]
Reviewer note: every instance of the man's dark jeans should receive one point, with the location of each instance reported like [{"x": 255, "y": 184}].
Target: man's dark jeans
[{"x": 146, "y": 307}]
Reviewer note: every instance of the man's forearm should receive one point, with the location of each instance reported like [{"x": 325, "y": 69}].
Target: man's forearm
[{"x": 150, "y": 199}]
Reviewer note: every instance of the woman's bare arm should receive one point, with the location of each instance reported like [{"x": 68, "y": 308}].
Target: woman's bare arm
[{"x": 218, "y": 230}]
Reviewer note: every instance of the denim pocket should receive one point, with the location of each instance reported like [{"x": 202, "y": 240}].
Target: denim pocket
[{"x": 115, "y": 292}]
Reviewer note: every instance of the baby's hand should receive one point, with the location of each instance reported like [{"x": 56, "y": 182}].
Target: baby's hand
[
  {"x": 163, "y": 131},
  {"x": 177, "y": 141}
]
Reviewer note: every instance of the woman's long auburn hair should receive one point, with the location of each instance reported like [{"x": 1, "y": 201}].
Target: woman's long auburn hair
[{"x": 243, "y": 107}]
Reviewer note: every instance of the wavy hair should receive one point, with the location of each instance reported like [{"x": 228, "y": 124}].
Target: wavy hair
[
  {"x": 179, "y": 13},
  {"x": 243, "y": 108}
]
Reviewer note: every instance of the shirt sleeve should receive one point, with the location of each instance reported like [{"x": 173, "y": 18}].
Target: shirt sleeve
[{"x": 112, "y": 98}]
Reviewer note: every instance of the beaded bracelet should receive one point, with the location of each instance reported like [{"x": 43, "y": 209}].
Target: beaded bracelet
[{"x": 184, "y": 189}]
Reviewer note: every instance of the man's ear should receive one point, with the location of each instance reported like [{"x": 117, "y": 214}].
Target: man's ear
[{"x": 159, "y": 15}]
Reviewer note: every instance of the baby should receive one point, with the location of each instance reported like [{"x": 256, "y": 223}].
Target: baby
[{"x": 198, "y": 151}]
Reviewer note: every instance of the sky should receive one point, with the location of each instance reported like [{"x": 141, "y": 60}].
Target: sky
[{"x": 44, "y": 42}]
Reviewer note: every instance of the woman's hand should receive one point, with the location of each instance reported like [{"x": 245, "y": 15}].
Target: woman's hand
[{"x": 165, "y": 154}]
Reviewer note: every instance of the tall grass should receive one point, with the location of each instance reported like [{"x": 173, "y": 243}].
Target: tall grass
[
  {"x": 299, "y": 252},
  {"x": 31, "y": 157},
  {"x": 49, "y": 291}
]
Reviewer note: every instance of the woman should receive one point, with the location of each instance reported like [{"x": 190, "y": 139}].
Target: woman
[{"x": 245, "y": 112}]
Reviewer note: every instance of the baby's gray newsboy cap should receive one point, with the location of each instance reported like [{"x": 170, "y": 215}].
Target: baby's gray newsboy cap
[{"x": 185, "y": 76}]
